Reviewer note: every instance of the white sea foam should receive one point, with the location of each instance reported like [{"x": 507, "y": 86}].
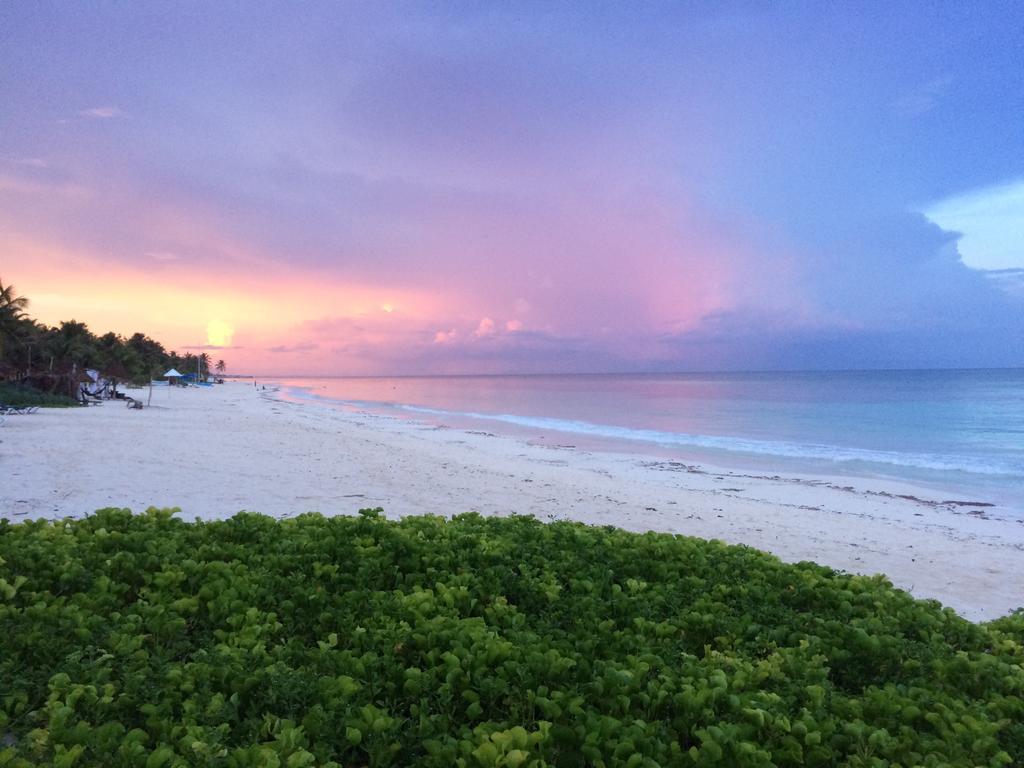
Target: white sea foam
[
  {"x": 964, "y": 428},
  {"x": 830, "y": 453}
]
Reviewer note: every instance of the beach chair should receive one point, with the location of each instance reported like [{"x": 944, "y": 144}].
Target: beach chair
[{"x": 11, "y": 410}]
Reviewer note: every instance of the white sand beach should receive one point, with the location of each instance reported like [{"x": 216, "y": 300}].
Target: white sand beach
[{"x": 215, "y": 451}]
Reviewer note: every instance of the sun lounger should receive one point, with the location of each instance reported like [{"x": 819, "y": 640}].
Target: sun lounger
[{"x": 11, "y": 410}]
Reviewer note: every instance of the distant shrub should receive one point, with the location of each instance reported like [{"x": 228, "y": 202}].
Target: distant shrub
[
  {"x": 21, "y": 396},
  {"x": 148, "y": 641}
]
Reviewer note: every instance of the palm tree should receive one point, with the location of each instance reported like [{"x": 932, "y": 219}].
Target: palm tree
[
  {"x": 12, "y": 308},
  {"x": 221, "y": 366},
  {"x": 9, "y": 302},
  {"x": 75, "y": 344},
  {"x": 29, "y": 334},
  {"x": 204, "y": 365}
]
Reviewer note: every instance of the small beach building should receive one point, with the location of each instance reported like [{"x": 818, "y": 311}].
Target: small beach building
[{"x": 173, "y": 376}]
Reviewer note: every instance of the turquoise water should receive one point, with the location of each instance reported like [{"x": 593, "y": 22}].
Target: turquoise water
[{"x": 962, "y": 431}]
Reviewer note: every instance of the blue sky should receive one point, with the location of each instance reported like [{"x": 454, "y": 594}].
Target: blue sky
[{"x": 405, "y": 187}]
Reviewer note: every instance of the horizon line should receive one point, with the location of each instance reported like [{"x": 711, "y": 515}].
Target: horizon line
[{"x": 707, "y": 372}]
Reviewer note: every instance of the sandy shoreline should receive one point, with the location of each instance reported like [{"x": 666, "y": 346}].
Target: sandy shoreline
[{"x": 213, "y": 452}]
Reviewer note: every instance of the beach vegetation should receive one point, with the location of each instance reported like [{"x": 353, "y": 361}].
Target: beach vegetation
[
  {"x": 145, "y": 640},
  {"x": 19, "y": 396},
  {"x": 52, "y": 360},
  {"x": 12, "y": 310}
]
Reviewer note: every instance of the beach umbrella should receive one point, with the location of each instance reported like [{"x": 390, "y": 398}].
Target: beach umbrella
[
  {"x": 78, "y": 379},
  {"x": 171, "y": 375},
  {"x": 116, "y": 371}
]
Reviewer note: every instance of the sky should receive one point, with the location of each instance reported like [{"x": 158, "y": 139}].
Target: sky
[{"x": 441, "y": 188}]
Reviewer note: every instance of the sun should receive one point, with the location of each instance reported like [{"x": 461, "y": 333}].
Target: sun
[{"x": 219, "y": 333}]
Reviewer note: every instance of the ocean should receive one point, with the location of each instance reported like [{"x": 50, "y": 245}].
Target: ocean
[{"x": 960, "y": 432}]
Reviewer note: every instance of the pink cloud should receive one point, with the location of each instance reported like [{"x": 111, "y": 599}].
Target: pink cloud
[
  {"x": 102, "y": 113},
  {"x": 485, "y": 328}
]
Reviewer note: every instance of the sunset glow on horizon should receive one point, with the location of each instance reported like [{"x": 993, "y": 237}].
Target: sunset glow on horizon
[{"x": 384, "y": 189}]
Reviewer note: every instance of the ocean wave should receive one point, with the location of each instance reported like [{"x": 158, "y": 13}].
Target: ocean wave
[{"x": 805, "y": 451}]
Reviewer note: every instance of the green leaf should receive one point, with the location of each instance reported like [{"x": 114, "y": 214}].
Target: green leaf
[
  {"x": 67, "y": 758},
  {"x": 159, "y": 757},
  {"x": 516, "y": 758}
]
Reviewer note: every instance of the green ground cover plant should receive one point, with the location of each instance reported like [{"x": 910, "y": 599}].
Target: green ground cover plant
[
  {"x": 21, "y": 396},
  {"x": 144, "y": 640}
]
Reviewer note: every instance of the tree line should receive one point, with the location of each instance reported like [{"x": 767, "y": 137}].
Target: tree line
[{"x": 55, "y": 358}]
